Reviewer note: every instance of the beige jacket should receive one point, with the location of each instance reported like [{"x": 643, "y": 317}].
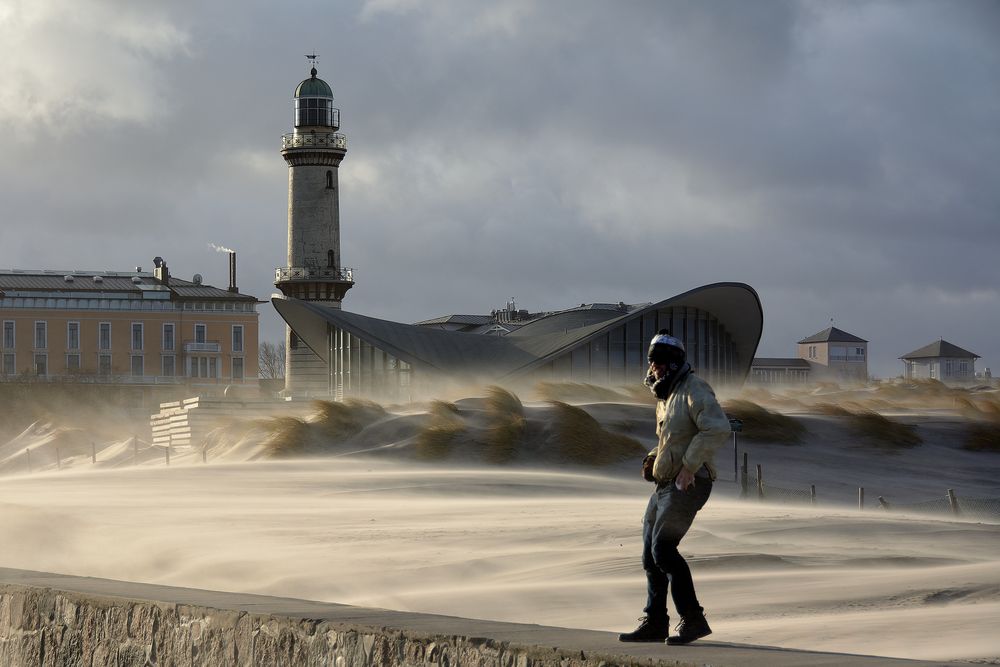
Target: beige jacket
[{"x": 691, "y": 426}]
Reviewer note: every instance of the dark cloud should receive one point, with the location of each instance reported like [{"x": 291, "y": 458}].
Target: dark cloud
[{"x": 840, "y": 157}]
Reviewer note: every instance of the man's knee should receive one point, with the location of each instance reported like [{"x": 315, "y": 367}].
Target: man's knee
[{"x": 664, "y": 555}]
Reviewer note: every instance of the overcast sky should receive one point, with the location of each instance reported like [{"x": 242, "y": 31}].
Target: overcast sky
[{"x": 843, "y": 158}]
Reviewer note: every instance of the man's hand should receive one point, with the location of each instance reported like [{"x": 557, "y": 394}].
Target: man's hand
[
  {"x": 684, "y": 479},
  {"x": 647, "y": 468}
]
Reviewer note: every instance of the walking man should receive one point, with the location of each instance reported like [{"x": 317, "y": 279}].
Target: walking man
[{"x": 690, "y": 425}]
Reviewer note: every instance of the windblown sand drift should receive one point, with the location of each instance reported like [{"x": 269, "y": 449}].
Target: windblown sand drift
[
  {"x": 493, "y": 508},
  {"x": 518, "y": 545}
]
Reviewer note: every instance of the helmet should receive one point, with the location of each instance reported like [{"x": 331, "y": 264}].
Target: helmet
[{"x": 665, "y": 349}]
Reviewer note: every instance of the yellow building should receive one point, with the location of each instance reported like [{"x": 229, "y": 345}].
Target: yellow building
[{"x": 127, "y": 328}]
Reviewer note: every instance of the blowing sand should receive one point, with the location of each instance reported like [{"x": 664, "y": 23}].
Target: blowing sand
[
  {"x": 489, "y": 508},
  {"x": 513, "y": 544}
]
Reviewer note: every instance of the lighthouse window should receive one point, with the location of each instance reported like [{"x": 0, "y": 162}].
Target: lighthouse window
[
  {"x": 314, "y": 111},
  {"x": 329, "y": 179}
]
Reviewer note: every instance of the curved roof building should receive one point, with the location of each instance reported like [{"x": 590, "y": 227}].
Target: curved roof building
[{"x": 720, "y": 325}]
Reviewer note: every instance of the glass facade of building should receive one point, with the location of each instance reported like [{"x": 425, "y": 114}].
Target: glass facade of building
[{"x": 615, "y": 357}]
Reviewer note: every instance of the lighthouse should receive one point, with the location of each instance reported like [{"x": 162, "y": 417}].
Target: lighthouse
[{"x": 313, "y": 152}]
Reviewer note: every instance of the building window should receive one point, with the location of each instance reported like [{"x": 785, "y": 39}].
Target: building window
[
  {"x": 137, "y": 337},
  {"x": 329, "y": 179},
  {"x": 213, "y": 367},
  {"x": 41, "y": 335},
  {"x": 73, "y": 336},
  {"x": 104, "y": 336},
  {"x": 168, "y": 365},
  {"x": 8, "y": 335},
  {"x": 199, "y": 333},
  {"x": 104, "y": 365},
  {"x": 137, "y": 365},
  {"x": 168, "y": 336},
  {"x": 9, "y": 365},
  {"x": 73, "y": 363},
  {"x": 237, "y": 338},
  {"x": 238, "y": 368},
  {"x": 41, "y": 364}
]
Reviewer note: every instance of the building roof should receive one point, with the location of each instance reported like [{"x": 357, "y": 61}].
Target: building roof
[
  {"x": 833, "y": 335},
  {"x": 735, "y": 305},
  {"x": 940, "y": 348},
  {"x": 779, "y": 362},
  {"x": 456, "y": 319},
  {"x": 313, "y": 87},
  {"x": 108, "y": 282}
]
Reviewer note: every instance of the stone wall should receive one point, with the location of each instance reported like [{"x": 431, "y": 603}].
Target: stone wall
[{"x": 43, "y": 626}]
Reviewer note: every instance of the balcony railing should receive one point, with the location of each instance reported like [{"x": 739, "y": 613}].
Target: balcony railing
[
  {"x": 209, "y": 346},
  {"x": 314, "y": 140},
  {"x": 846, "y": 357},
  {"x": 291, "y": 273}
]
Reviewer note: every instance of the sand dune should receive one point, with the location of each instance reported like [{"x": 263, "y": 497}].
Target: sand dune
[
  {"x": 490, "y": 508},
  {"x": 513, "y": 544}
]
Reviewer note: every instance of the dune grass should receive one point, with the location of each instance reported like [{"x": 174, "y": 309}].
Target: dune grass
[
  {"x": 882, "y": 431},
  {"x": 339, "y": 421},
  {"x": 579, "y": 438},
  {"x": 831, "y": 409},
  {"x": 982, "y": 437},
  {"x": 436, "y": 441},
  {"x": 762, "y": 424},
  {"x": 287, "y": 436},
  {"x": 507, "y": 425}
]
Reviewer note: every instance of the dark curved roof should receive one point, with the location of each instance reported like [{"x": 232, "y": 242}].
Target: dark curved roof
[
  {"x": 313, "y": 87},
  {"x": 735, "y": 305}
]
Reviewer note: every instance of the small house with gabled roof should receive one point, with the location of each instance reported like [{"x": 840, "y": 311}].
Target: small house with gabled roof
[
  {"x": 940, "y": 360},
  {"x": 834, "y": 354}
]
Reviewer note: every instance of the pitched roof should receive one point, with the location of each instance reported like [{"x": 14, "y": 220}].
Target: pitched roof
[
  {"x": 940, "y": 348},
  {"x": 109, "y": 282},
  {"x": 833, "y": 335},
  {"x": 779, "y": 362}
]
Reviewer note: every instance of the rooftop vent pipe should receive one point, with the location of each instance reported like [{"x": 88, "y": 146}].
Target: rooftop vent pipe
[{"x": 232, "y": 272}]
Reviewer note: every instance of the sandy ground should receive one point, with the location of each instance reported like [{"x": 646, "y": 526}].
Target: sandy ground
[{"x": 541, "y": 546}]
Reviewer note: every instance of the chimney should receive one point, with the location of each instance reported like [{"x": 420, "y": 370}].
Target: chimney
[
  {"x": 160, "y": 270},
  {"x": 232, "y": 272}
]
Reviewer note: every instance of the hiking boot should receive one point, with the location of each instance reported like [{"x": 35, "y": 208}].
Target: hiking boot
[
  {"x": 689, "y": 629},
  {"x": 649, "y": 630}
]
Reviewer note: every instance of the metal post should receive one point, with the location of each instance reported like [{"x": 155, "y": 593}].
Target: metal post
[
  {"x": 204, "y": 455},
  {"x": 743, "y": 477},
  {"x": 736, "y": 459},
  {"x": 812, "y": 494},
  {"x": 760, "y": 482},
  {"x": 166, "y": 452},
  {"x": 93, "y": 452},
  {"x": 953, "y": 501},
  {"x": 58, "y": 460},
  {"x": 861, "y": 498}
]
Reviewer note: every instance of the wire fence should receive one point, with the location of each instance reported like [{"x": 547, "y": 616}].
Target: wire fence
[{"x": 752, "y": 486}]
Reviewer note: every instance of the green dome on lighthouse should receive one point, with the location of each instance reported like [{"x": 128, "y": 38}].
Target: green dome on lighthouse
[{"x": 313, "y": 87}]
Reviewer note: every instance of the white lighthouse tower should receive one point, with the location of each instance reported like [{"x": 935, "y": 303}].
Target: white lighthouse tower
[{"x": 314, "y": 273}]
